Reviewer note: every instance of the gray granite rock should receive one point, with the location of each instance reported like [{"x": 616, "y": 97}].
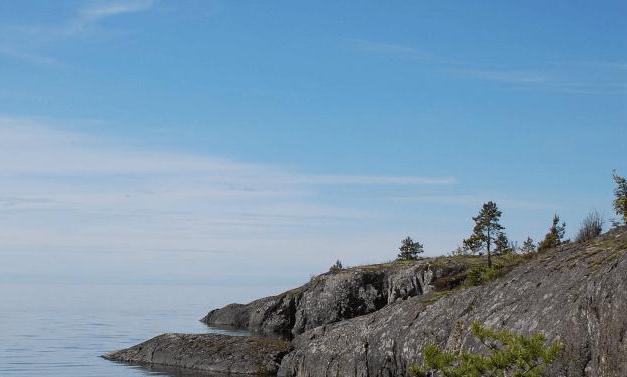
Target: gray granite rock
[
  {"x": 333, "y": 297},
  {"x": 212, "y": 353},
  {"x": 577, "y": 293},
  {"x": 375, "y": 320}
]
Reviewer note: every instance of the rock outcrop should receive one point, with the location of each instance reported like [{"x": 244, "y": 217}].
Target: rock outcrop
[
  {"x": 577, "y": 294},
  {"x": 375, "y": 320},
  {"x": 333, "y": 297},
  {"x": 212, "y": 353}
]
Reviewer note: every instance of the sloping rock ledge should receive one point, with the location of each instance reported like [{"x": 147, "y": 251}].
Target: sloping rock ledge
[{"x": 212, "y": 353}]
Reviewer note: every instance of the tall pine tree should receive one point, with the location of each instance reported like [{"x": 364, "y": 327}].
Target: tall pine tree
[{"x": 487, "y": 229}]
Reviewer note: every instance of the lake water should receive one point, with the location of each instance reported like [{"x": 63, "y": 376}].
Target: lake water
[{"x": 62, "y": 329}]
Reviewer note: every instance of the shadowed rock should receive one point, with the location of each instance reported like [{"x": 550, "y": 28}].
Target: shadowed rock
[
  {"x": 333, "y": 297},
  {"x": 212, "y": 353}
]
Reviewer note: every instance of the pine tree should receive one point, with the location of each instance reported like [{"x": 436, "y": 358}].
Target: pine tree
[
  {"x": 409, "y": 249},
  {"x": 554, "y": 237},
  {"x": 528, "y": 246},
  {"x": 473, "y": 244},
  {"x": 337, "y": 267},
  {"x": 502, "y": 244},
  {"x": 620, "y": 193},
  {"x": 487, "y": 229}
]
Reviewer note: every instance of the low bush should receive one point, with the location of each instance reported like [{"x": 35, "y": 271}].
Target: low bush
[
  {"x": 591, "y": 227},
  {"x": 554, "y": 237},
  {"x": 479, "y": 275},
  {"x": 509, "y": 354},
  {"x": 337, "y": 267}
]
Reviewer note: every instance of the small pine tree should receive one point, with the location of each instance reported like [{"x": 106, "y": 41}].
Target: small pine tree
[
  {"x": 620, "y": 196},
  {"x": 528, "y": 246},
  {"x": 509, "y": 354},
  {"x": 337, "y": 267},
  {"x": 554, "y": 237},
  {"x": 409, "y": 249},
  {"x": 487, "y": 229},
  {"x": 502, "y": 244}
]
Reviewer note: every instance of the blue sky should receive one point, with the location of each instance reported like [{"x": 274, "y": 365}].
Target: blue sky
[{"x": 238, "y": 138}]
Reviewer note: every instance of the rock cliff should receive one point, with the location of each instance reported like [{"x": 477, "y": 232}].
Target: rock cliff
[{"x": 333, "y": 297}]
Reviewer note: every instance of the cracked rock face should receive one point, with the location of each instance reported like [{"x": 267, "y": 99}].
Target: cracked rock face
[
  {"x": 212, "y": 353},
  {"x": 331, "y": 298},
  {"x": 577, "y": 293}
]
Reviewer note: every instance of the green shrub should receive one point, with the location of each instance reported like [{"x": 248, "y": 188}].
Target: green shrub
[
  {"x": 554, "y": 237},
  {"x": 509, "y": 354},
  {"x": 337, "y": 267},
  {"x": 478, "y": 275}
]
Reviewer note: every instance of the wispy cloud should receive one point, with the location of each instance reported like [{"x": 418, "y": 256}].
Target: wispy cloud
[
  {"x": 64, "y": 190},
  {"x": 513, "y": 77},
  {"x": 389, "y": 49},
  {"x": 581, "y": 77},
  {"x": 373, "y": 180},
  {"x": 617, "y": 65},
  {"x": 31, "y": 58},
  {"x": 97, "y": 11},
  {"x": 57, "y": 152},
  {"x": 19, "y": 42},
  {"x": 448, "y": 65},
  {"x": 475, "y": 200}
]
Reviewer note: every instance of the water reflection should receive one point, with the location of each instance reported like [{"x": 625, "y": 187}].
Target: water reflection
[
  {"x": 229, "y": 330},
  {"x": 158, "y": 370},
  {"x": 238, "y": 331}
]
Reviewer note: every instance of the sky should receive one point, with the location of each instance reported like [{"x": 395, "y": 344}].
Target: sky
[{"x": 259, "y": 141}]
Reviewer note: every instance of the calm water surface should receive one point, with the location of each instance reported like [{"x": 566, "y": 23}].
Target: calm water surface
[{"x": 62, "y": 329}]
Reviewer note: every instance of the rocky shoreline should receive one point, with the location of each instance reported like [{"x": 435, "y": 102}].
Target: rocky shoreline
[
  {"x": 375, "y": 320},
  {"x": 213, "y": 353}
]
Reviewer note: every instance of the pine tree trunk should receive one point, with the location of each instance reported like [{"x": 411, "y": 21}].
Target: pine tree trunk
[{"x": 489, "y": 256}]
